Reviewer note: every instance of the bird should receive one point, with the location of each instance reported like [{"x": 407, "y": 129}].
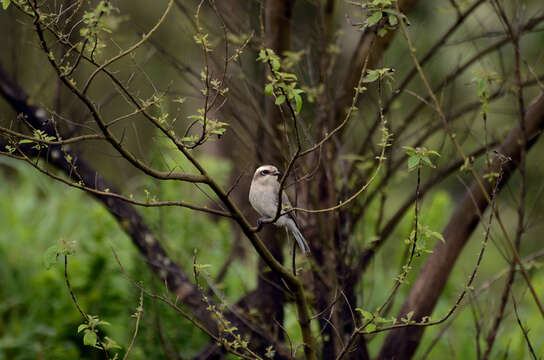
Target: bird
[{"x": 263, "y": 196}]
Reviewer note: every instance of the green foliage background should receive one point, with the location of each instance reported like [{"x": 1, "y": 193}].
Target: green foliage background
[
  {"x": 37, "y": 316},
  {"x": 39, "y": 320}
]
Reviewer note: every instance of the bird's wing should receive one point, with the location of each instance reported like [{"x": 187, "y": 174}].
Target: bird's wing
[
  {"x": 285, "y": 203},
  {"x": 285, "y": 200}
]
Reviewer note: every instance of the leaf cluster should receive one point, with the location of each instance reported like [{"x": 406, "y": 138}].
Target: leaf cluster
[
  {"x": 282, "y": 85},
  {"x": 419, "y": 156},
  {"x": 41, "y": 136},
  {"x": 380, "y": 14}
]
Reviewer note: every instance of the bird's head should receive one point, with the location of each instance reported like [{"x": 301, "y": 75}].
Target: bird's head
[{"x": 266, "y": 174}]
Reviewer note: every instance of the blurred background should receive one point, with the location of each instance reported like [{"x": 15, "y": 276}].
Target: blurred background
[{"x": 38, "y": 319}]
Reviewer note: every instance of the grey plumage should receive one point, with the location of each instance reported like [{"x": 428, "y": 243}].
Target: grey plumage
[{"x": 263, "y": 196}]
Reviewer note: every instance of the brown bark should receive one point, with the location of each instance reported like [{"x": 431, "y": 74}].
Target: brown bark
[
  {"x": 269, "y": 296},
  {"x": 424, "y": 294},
  {"x": 373, "y": 46},
  {"x": 270, "y": 289}
]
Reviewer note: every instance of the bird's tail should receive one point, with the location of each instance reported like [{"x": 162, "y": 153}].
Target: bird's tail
[{"x": 301, "y": 241}]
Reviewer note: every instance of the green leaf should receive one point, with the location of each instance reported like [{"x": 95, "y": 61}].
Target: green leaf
[
  {"x": 280, "y": 99},
  {"x": 370, "y": 327},
  {"x": 275, "y": 63},
  {"x": 371, "y": 76},
  {"x": 270, "y": 352},
  {"x": 408, "y": 317},
  {"x": 298, "y": 103},
  {"x": 90, "y": 338},
  {"x": 413, "y": 162},
  {"x": 288, "y": 76},
  {"x": 393, "y": 20},
  {"x": 485, "y": 108},
  {"x": 482, "y": 87},
  {"x": 50, "y": 256},
  {"x": 189, "y": 138},
  {"x": 428, "y": 161},
  {"x": 5, "y": 4},
  {"x": 110, "y": 344},
  {"x": 290, "y": 93},
  {"x": 82, "y": 327},
  {"x": 438, "y": 236},
  {"x": 374, "y": 18},
  {"x": 365, "y": 314},
  {"x": 220, "y": 131},
  {"x": 67, "y": 247},
  {"x": 269, "y": 89},
  {"x": 262, "y": 55}
]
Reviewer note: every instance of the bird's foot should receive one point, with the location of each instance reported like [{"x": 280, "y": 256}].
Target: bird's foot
[{"x": 261, "y": 222}]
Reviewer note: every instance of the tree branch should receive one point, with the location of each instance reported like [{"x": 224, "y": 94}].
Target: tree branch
[
  {"x": 402, "y": 343},
  {"x": 126, "y": 215}
]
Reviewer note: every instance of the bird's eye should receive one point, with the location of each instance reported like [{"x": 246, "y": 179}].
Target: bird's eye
[{"x": 264, "y": 172}]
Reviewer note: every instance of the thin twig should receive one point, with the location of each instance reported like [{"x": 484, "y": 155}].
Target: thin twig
[
  {"x": 74, "y": 299},
  {"x": 471, "y": 169},
  {"x": 523, "y": 330},
  {"x": 138, "y": 316}
]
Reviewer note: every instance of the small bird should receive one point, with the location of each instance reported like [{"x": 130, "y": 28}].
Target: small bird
[{"x": 263, "y": 196}]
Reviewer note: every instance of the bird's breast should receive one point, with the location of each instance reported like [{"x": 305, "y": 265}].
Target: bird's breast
[{"x": 264, "y": 202}]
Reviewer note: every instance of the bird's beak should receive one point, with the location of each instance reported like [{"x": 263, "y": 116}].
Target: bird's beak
[{"x": 277, "y": 173}]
